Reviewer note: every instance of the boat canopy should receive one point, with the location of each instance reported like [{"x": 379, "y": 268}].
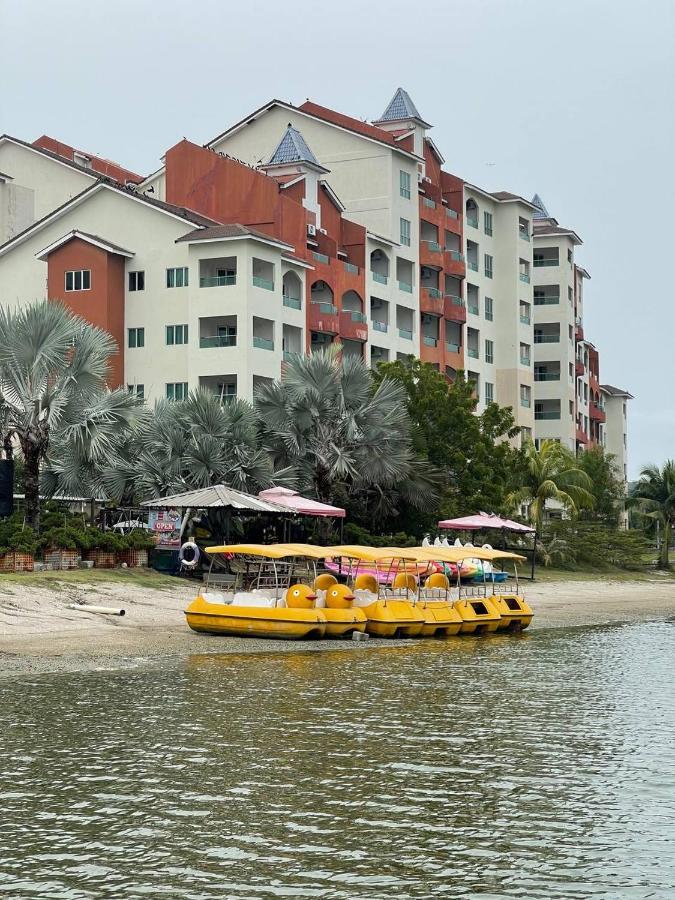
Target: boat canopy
[{"x": 366, "y": 554}]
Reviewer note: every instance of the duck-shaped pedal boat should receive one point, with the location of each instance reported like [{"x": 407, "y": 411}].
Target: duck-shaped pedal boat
[
  {"x": 515, "y": 613},
  {"x": 259, "y": 616},
  {"x": 441, "y": 619},
  {"x": 342, "y": 617},
  {"x": 479, "y": 616}
]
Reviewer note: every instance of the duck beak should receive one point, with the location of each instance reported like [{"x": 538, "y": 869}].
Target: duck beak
[
  {"x": 311, "y": 596},
  {"x": 350, "y": 597}
]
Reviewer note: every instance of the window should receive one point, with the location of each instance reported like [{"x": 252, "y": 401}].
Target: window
[
  {"x": 79, "y": 280},
  {"x": 136, "y": 281},
  {"x": 487, "y": 222},
  {"x": 405, "y": 184},
  {"x": 570, "y": 296},
  {"x": 177, "y": 390},
  {"x": 489, "y": 351},
  {"x": 136, "y": 337},
  {"x": 405, "y": 232},
  {"x": 569, "y": 256},
  {"x": 489, "y": 392},
  {"x": 177, "y": 277},
  {"x": 488, "y": 265},
  {"x": 525, "y": 395},
  {"x": 176, "y": 334},
  {"x": 138, "y": 390},
  {"x": 489, "y": 309}
]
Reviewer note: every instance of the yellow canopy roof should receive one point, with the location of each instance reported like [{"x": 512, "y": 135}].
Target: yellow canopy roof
[
  {"x": 271, "y": 551},
  {"x": 373, "y": 554}
]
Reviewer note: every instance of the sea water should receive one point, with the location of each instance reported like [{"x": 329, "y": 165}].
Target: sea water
[{"x": 538, "y": 765}]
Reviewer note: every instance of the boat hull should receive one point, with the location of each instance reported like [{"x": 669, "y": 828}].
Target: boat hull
[
  {"x": 278, "y": 622},
  {"x": 478, "y": 616},
  {"x": 515, "y": 613},
  {"x": 344, "y": 622},
  {"x": 393, "y": 618},
  {"x": 441, "y": 619}
]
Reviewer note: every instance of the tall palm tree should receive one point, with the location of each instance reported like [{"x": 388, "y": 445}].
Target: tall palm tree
[
  {"x": 654, "y": 495},
  {"x": 53, "y": 367},
  {"x": 551, "y": 473},
  {"x": 328, "y": 421}
]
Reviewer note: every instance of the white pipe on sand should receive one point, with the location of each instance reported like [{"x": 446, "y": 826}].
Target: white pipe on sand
[{"x": 105, "y": 610}]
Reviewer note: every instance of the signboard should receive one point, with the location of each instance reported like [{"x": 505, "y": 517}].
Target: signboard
[{"x": 167, "y": 524}]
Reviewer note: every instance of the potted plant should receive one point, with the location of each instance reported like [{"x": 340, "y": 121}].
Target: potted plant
[
  {"x": 101, "y": 548},
  {"x": 135, "y": 546},
  {"x": 62, "y": 547},
  {"x": 17, "y": 550}
]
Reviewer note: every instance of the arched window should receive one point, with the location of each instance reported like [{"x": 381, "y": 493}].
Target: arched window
[{"x": 472, "y": 212}]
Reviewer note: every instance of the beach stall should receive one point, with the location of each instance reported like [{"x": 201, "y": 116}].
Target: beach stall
[
  {"x": 489, "y": 522},
  {"x": 303, "y": 506}
]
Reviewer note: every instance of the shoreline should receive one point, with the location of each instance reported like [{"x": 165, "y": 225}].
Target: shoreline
[{"x": 40, "y": 635}]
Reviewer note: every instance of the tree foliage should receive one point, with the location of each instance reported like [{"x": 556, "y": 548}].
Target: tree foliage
[
  {"x": 606, "y": 486},
  {"x": 654, "y": 497}
]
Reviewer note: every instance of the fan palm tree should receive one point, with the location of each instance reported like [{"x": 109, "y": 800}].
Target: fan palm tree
[
  {"x": 551, "y": 473},
  {"x": 654, "y": 496},
  {"x": 53, "y": 367},
  {"x": 329, "y": 422}
]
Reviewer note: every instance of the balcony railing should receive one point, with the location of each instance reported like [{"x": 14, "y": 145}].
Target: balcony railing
[
  {"x": 451, "y": 213},
  {"x": 472, "y": 352},
  {"x": 427, "y": 201},
  {"x": 217, "y": 280},
  {"x": 525, "y": 401},
  {"x": 524, "y": 278},
  {"x": 546, "y": 414},
  {"x": 289, "y": 354},
  {"x": 430, "y": 341},
  {"x": 551, "y": 300},
  {"x": 404, "y": 286},
  {"x": 263, "y": 343},
  {"x": 326, "y": 309},
  {"x": 473, "y": 265},
  {"x": 525, "y": 360},
  {"x": 263, "y": 283},
  {"x": 433, "y": 292},
  {"x": 474, "y": 309},
  {"x": 455, "y": 255},
  {"x": 218, "y": 340},
  {"x": 524, "y": 235},
  {"x": 380, "y": 326},
  {"x": 451, "y": 348},
  {"x": 525, "y": 320},
  {"x": 381, "y": 279},
  {"x": 350, "y": 267},
  {"x": 356, "y": 316},
  {"x": 405, "y": 333},
  {"x": 547, "y": 376},
  {"x": 472, "y": 222},
  {"x": 542, "y": 263},
  {"x": 454, "y": 299},
  {"x": 546, "y": 338},
  {"x": 292, "y": 302},
  {"x": 320, "y": 257},
  {"x": 432, "y": 246}
]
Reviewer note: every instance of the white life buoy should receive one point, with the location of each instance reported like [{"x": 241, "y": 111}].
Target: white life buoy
[{"x": 189, "y": 563}]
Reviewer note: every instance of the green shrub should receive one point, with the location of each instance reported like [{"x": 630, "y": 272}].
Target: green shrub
[
  {"x": 578, "y": 544},
  {"x": 138, "y": 539}
]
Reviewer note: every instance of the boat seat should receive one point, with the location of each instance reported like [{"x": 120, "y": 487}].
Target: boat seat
[
  {"x": 363, "y": 597},
  {"x": 216, "y": 597}
]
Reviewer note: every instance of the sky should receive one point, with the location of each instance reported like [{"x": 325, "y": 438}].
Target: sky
[{"x": 574, "y": 101}]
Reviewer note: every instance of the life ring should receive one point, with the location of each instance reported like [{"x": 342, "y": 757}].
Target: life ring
[{"x": 189, "y": 563}]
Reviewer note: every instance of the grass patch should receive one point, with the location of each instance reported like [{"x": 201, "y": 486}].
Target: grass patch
[
  {"x": 57, "y": 581},
  {"x": 609, "y": 573}
]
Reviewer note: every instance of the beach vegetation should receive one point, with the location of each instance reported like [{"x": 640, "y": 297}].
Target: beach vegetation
[{"x": 654, "y": 498}]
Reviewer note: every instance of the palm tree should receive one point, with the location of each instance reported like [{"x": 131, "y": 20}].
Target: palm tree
[
  {"x": 551, "y": 473},
  {"x": 654, "y": 495},
  {"x": 53, "y": 367},
  {"x": 328, "y": 421}
]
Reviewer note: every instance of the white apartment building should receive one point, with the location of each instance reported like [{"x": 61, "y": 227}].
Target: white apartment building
[{"x": 616, "y": 427}]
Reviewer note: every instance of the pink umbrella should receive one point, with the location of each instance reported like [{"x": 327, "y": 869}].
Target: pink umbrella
[
  {"x": 303, "y": 505},
  {"x": 483, "y": 520}
]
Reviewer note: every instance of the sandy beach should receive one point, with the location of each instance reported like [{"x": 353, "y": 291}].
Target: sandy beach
[{"x": 40, "y": 634}]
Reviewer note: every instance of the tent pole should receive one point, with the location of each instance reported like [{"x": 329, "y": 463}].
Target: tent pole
[
  {"x": 534, "y": 554},
  {"x": 342, "y": 530}
]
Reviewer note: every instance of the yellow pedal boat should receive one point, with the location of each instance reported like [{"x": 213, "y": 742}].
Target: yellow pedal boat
[
  {"x": 441, "y": 619},
  {"x": 342, "y": 617},
  {"x": 479, "y": 616},
  {"x": 515, "y": 613},
  {"x": 255, "y": 621}
]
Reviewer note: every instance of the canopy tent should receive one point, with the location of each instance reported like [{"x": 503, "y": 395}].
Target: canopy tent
[
  {"x": 216, "y": 496},
  {"x": 303, "y": 505},
  {"x": 484, "y": 520}
]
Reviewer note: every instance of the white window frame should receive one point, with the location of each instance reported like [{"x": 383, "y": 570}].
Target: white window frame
[
  {"x": 135, "y": 273},
  {"x": 404, "y": 184},
  {"x": 405, "y": 232},
  {"x": 185, "y": 276},
  {"x": 74, "y": 272}
]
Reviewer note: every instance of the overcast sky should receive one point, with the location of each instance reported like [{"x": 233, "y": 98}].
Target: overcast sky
[{"x": 572, "y": 100}]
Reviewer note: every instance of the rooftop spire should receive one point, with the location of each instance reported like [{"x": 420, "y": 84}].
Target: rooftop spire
[
  {"x": 292, "y": 148},
  {"x": 542, "y": 212},
  {"x": 401, "y": 107}
]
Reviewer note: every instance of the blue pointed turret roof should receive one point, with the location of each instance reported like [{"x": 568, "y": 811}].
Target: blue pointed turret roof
[
  {"x": 541, "y": 212},
  {"x": 293, "y": 148},
  {"x": 401, "y": 107}
]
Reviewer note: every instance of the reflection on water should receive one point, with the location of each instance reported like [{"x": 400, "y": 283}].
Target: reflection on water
[{"x": 520, "y": 766}]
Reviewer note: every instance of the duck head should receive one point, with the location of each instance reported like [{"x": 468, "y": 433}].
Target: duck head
[
  {"x": 339, "y": 596},
  {"x": 300, "y": 596}
]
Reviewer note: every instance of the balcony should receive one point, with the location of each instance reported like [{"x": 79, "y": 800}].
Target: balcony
[
  {"x": 320, "y": 257},
  {"x": 264, "y": 283},
  {"x": 323, "y": 317},
  {"x": 405, "y": 333},
  {"x": 596, "y": 412},
  {"x": 546, "y": 299},
  {"x": 263, "y": 274},
  {"x": 454, "y": 309},
  {"x": 431, "y": 301},
  {"x": 451, "y": 348},
  {"x": 470, "y": 220},
  {"x": 454, "y": 263},
  {"x": 524, "y": 277},
  {"x": 472, "y": 352},
  {"x": 353, "y": 325},
  {"x": 473, "y": 265},
  {"x": 292, "y": 302},
  {"x": 547, "y": 414},
  {"x": 217, "y": 331},
  {"x": 262, "y": 343},
  {"x": 351, "y": 268},
  {"x": 523, "y": 235},
  {"x": 582, "y": 437},
  {"x": 380, "y": 326},
  {"x": 427, "y": 201},
  {"x": 450, "y": 213},
  {"x": 540, "y": 338},
  {"x": 430, "y": 253},
  {"x": 207, "y": 281},
  {"x": 429, "y": 341},
  {"x": 405, "y": 287},
  {"x": 547, "y": 376},
  {"x": 579, "y": 368},
  {"x": 525, "y": 320},
  {"x": 525, "y": 360},
  {"x": 218, "y": 340},
  {"x": 379, "y": 277}
]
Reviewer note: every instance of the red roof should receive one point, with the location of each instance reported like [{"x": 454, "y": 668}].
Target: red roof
[
  {"x": 336, "y": 118},
  {"x": 98, "y": 164}
]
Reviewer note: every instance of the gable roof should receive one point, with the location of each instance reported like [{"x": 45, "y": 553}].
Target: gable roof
[
  {"x": 293, "y": 148},
  {"x": 232, "y": 231},
  {"x": 48, "y": 153},
  {"x": 543, "y": 230},
  {"x": 542, "y": 212},
  {"x": 92, "y": 239},
  {"x": 178, "y": 212},
  {"x": 615, "y": 391},
  {"x": 98, "y": 163},
  {"x": 350, "y": 124},
  {"x": 401, "y": 107}
]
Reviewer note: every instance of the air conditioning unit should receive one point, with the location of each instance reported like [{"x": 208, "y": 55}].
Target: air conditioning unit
[
  {"x": 311, "y": 230},
  {"x": 323, "y": 231}
]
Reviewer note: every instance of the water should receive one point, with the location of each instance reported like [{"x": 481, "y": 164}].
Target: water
[{"x": 540, "y": 765}]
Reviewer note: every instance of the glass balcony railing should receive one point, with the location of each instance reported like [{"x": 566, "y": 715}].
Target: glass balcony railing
[
  {"x": 525, "y": 278},
  {"x": 524, "y": 235},
  {"x": 525, "y": 401},
  {"x": 263, "y": 283},
  {"x": 356, "y": 316},
  {"x": 289, "y": 354},
  {"x": 326, "y": 309},
  {"x": 473, "y": 265},
  {"x": 405, "y": 333},
  {"x": 433, "y": 246},
  {"x": 381, "y": 279},
  {"x": 540, "y": 263},
  {"x": 547, "y": 338},
  {"x": 472, "y": 222},
  {"x": 380, "y": 326},
  {"x": 405, "y": 286},
  {"x": 263, "y": 343},
  {"x": 292, "y": 302},
  {"x": 433, "y": 292},
  {"x": 350, "y": 267},
  {"x": 525, "y": 320},
  {"x": 472, "y": 352},
  {"x": 547, "y": 376},
  {"x": 450, "y": 213},
  {"x": 217, "y": 280},
  {"x": 427, "y": 201},
  {"x": 320, "y": 257},
  {"x": 456, "y": 255},
  {"x": 546, "y": 414},
  {"x": 451, "y": 348},
  {"x": 551, "y": 300},
  {"x": 430, "y": 341},
  {"x": 473, "y": 309},
  {"x": 454, "y": 299},
  {"x": 525, "y": 360},
  {"x": 218, "y": 340}
]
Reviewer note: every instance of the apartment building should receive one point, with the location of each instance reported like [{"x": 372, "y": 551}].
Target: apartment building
[{"x": 616, "y": 428}]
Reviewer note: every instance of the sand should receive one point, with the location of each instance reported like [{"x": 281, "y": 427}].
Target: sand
[{"x": 40, "y": 634}]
